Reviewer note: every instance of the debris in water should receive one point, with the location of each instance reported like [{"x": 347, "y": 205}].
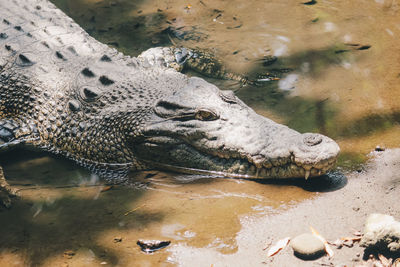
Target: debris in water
[
  {"x": 117, "y": 239},
  {"x": 281, "y": 244},
  {"x": 106, "y": 188},
  {"x": 135, "y": 209},
  {"x": 150, "y": 246},
  {"x": 69, "y": 254}
]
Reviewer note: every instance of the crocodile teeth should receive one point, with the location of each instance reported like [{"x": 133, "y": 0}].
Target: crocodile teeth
[{"x": 307, "y": 174}]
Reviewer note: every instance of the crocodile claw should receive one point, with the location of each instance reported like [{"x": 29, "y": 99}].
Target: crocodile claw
[{"x": 6, "y": 192}]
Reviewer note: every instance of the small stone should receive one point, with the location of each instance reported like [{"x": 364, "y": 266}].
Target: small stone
[
  {"x": 382, "y": 232},
  {"x": 307, "y": 247},
  {"x": 117, "y": 239},
  {"x": 69, "y": 254}
]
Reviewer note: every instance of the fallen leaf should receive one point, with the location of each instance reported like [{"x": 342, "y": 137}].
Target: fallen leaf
[
  {"x": 281, "y": 244},
  {"x": 338, "y": 243},
  {"x": 385, "y": 261},
  {"x": 348, "y": 243},
  {"x": 357, "y": 233},
  {"x": 106, "y": 188},
  {"x": 353, "y": 239},
  {"x": 135, "y": 209},
  {"x": 328, "y": 249}
]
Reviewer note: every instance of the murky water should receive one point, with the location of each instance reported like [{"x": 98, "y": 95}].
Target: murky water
[{"x": 344, "y": 82}]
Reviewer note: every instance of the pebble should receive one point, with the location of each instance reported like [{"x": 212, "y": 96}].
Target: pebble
[
  {"x": 307, "y": 246},
  {"x": 117, "y": 239}
]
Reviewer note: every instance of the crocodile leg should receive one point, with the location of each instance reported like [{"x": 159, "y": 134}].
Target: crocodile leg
[
  {"x": 206, "y": 63},
  {"x": 198, "y": 60},
  {"x": 6, "y": 191},
  {"x": 12, "y": 133}
]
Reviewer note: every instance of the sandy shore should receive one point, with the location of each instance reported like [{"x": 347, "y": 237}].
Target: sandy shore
[{"x": 334, "y": 214}]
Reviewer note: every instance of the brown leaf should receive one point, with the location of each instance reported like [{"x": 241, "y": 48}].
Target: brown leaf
[
  {"x": 385, "y": 261},
  {"x": 353, "y": 239},
  {"x": 281, "y": 244},
  {"x": 106, "y": 188},
  {"x": 357, "y": 233},
  {"x": 328, "y": 249}
]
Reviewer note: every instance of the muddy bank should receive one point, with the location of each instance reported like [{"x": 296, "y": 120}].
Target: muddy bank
[{"x": 334, "y": 214}]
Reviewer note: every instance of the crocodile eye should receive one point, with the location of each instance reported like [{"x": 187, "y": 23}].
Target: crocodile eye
[{"x": 205, "y": 115}]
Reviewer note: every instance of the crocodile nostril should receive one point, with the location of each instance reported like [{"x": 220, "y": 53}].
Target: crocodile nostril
[{"x": 312, "y": 139}]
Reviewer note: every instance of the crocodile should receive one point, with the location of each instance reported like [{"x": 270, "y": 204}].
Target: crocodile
[{"x": 64, "y": 92}]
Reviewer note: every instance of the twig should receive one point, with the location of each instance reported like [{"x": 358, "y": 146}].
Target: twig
[{"x": 135, "y": 209}]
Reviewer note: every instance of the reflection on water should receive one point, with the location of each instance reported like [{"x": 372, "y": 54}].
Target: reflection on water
[{"x": 343, "y": 82}]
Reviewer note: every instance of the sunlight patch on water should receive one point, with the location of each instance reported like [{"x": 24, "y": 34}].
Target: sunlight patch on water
[{"x": 289, "y": 82}]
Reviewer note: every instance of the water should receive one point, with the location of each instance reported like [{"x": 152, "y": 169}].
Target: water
[{"x": 344, "y": 83}]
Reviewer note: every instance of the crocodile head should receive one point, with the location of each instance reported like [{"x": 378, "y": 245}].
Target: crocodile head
[{"x": 201, "y": 129}]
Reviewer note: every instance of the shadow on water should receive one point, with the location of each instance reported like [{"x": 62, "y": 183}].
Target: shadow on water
[
  {"x": 106, "y": 20},
  {"x": 332, "y": 181},
  {"x": 49, "y": 220},
  {"x": 326, "y": 183}
]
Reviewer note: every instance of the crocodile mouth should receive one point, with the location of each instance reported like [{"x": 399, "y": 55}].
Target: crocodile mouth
[{"x": 184, "y": 158}]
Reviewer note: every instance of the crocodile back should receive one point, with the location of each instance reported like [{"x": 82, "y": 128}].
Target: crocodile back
[{"x": 82, "y": 96}]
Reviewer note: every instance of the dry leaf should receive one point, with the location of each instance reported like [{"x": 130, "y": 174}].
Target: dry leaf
[
  {"x": 106, "y": 188},
  {"x": 328, "y": 249},
  {"x": 385, "y": 261},
  {"x": 281, "y": 244},
  {"x": 353, "y": 239},
  {"x": 135, "y": 209},
  {"x": 357, "y": 233},
  {"x": 337, "y": 243}
]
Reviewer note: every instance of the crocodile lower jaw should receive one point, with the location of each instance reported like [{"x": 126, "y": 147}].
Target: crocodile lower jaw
[{"x": 286, "y": 171}]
